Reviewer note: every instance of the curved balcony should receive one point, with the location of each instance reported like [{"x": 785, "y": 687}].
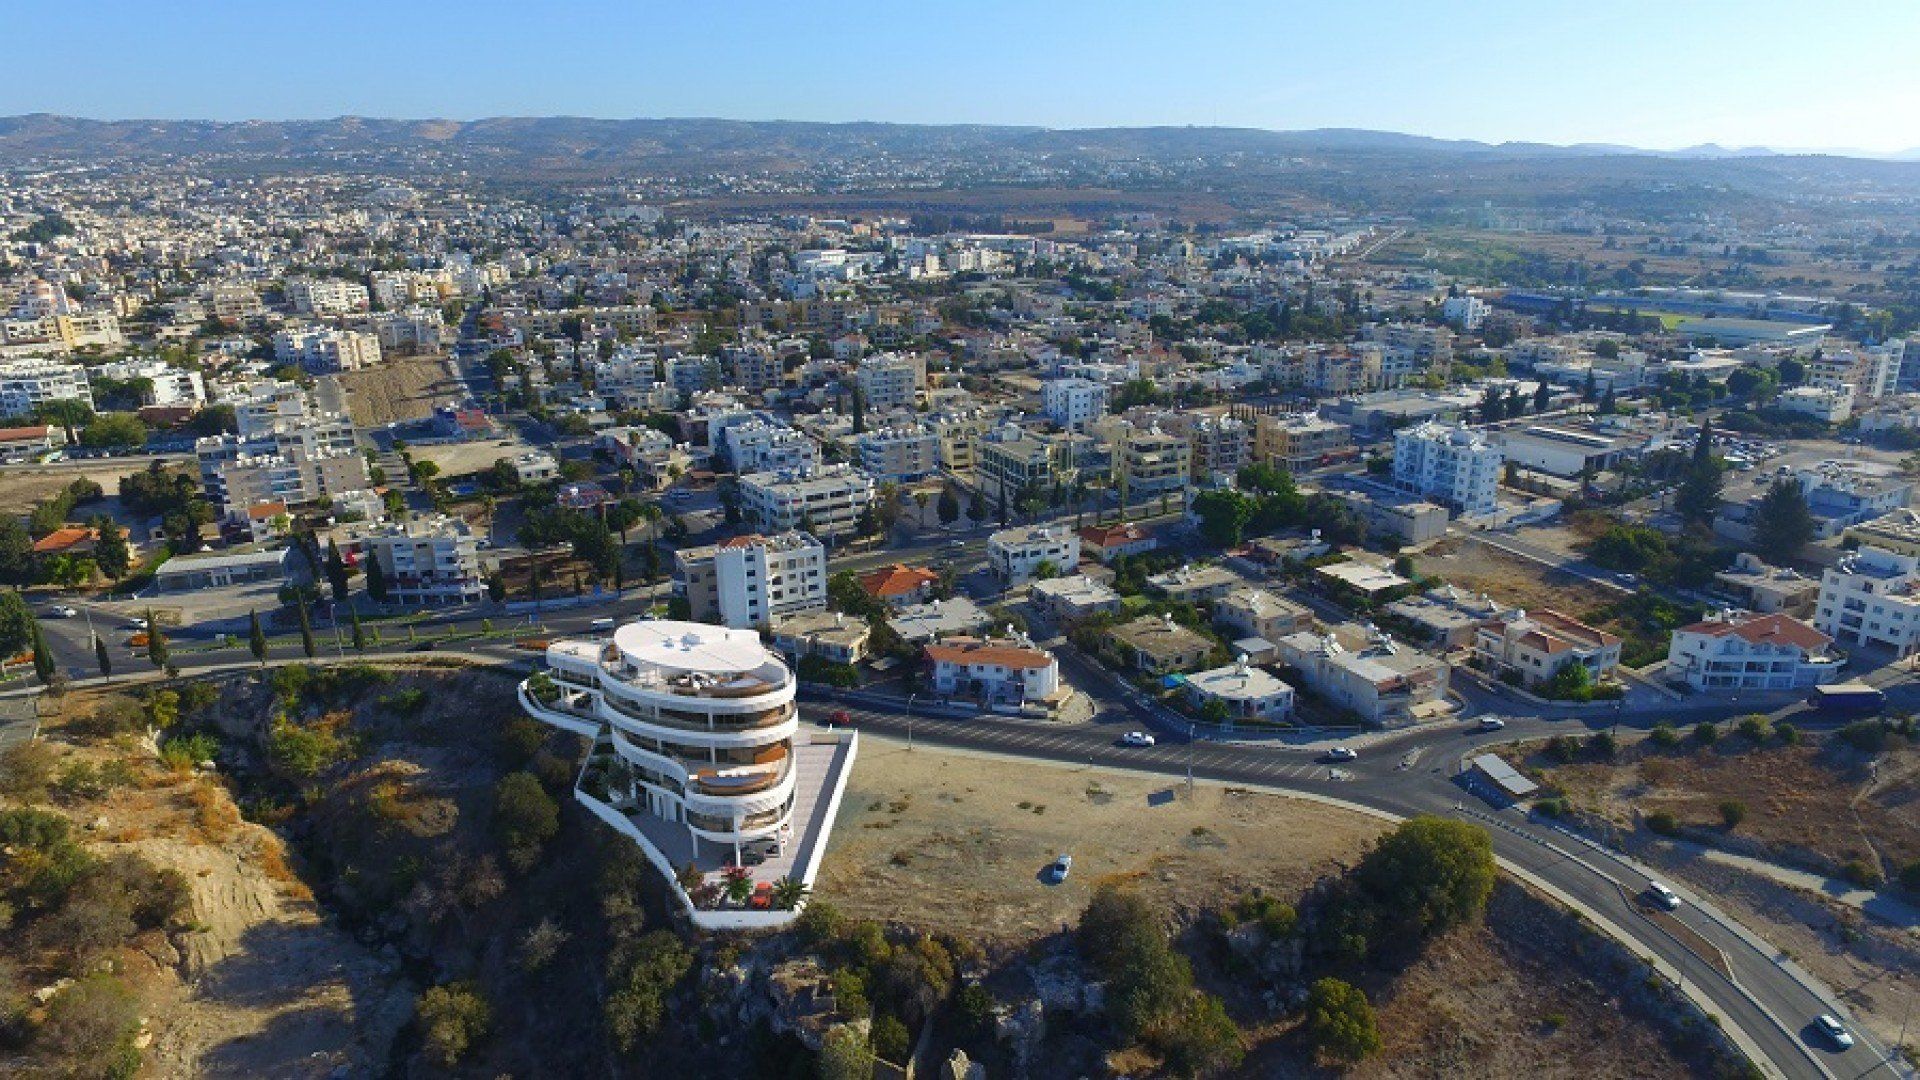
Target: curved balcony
[{"x": 562, "y": 712}]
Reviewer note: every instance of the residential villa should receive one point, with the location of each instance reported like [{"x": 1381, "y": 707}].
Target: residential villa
[
  {"x": 1011, "y": 671},
  {"x": 1743, "y": 651},
  {"x": 698, "y": 755},
  {"x": 1247, "y": 692},
  {"x": 1536, "y": 647}
]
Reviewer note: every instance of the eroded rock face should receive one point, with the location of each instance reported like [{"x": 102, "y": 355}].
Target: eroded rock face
[
  {"x": 791, "y": 997},
  {"x": 960, "y": 1067},
  {"x": 1022, "y": 1026}
]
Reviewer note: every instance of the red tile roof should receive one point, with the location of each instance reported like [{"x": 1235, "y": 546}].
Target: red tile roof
[
  {"x": 1766, "y": 630},
  {"x": 64, "y": 539},
  {"x": 962, "y": 650},
  {"x": 20, "y": 434},
  {"x": 896, "y": 580},
  {"x": 1105, "y": 536}
]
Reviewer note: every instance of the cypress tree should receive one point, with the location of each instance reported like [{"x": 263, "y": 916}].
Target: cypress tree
[
  {"x": 102, "y": 657},
  {"x": 42, "y": 656},
  {"x": 306, "y": 628},
  {"x": 156, "y": 643},
  {"x": 256, "y": 637}
]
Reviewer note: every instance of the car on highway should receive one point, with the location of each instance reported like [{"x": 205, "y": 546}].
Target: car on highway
[
  {"x": 1340, "y": 753},
  {"x": 1491, "y": 723},
  {"x": 423, "y": 646},
  {"x": 1057, "y": 872},
  {"x": 839, "y": 718},
  {"x": 1835, "y": 1031},
  {"x": 1663, "y": 896},
  {"x": 63, "y": 611},
  {"x": 1136, "y": 738},
  {"x": 135, "y": 624}
]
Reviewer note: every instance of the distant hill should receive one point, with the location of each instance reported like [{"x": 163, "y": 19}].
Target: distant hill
[
  {"x": 44, "y": 135},
  {"x": 1244, "y": 168}
]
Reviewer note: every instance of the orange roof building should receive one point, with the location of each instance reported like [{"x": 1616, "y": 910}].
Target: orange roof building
[
  {"x": 65, "y": 541},
  {"x": 898, "y": 584},
  {"x": 993, "y": 670},
  {"x": 1751, "y": 652}
]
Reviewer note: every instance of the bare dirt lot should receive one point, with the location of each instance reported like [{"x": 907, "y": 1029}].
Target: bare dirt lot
[
  {"x": 404, "y": 388},
  {"x": 1816, "y": 805},
  {"x": 957, "y": 842},
  {"x": 1512, "y": 580},
  {"x": 21, "y": 488}
]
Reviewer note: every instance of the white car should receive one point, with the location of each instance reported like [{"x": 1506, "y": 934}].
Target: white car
[
  {"x": 1342, "y": 753},
  {"x": 1057, "y": 873},
  {"x": 1832, "y": 1028},
  {"x": 136, "y": 624},
  {"x": 63, "y": 611},
  {"x": 1491, "y": 723},
  {"x": 1663, "y": 896},
  {"x": 1136, "y": 738}
]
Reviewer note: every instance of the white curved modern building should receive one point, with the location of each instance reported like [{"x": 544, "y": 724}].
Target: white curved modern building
[{"x": 703, "y": 718}]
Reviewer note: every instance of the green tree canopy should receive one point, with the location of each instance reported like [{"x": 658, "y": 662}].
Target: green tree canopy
[
  {"x": 1340, "y": 1023},
  {"x": 1782, "y": 523}
]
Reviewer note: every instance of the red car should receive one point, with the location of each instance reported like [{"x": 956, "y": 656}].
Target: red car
[{"x": 838, "y": 718}]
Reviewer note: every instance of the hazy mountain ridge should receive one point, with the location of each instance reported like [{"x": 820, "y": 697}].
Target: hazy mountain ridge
[{"x": 50, "y": 135}]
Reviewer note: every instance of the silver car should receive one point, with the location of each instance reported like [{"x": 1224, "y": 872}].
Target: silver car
[{"x": 1057, "y": 873}]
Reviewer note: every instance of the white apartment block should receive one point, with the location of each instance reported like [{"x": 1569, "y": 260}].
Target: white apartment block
[
  {"x": 1871, "y": 598},
  {"x": 169, "y": 385},
  {"x": 415, "y": 330},
  {"x": 899, "y": 453},
  {"x": 1016, "y": 554},
  {"x": 826, "y": 501},
  {"x": 1820, "y": 402},
  {"x": 326, "y": 296},
  {"x": 890, "y": 381},
  {"x": 1466, "y": 312},
  {"x": 325, "y": 352},
  {"x": 1868, "y": 373},
  {"x": 27, "y": 384},
  {"x": 233, "y": 300},
  {"x": 1073, "y": 403},
  {"x": 1155, "y": 463},
  {"x": 1729, "y": 651},
  {"x": 759, "y": 445},
  {"x": 432, "y": 561},
  {"x": 251, "y": 479},
  {"x": 1219, "y": 446},
  {"x": 1456, "y": 466},
  {"x": 749, "y": 581}
]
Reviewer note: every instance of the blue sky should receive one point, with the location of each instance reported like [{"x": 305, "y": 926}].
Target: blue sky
[{"x": 1674, "y": 73}]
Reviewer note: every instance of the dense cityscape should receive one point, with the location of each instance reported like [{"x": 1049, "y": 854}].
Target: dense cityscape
[{"x": 547, "y": 597}]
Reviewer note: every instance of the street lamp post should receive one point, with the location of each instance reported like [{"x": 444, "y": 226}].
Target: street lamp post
[
  {"x": 1190, "y": 738},
  {"x": 910, "y": 698}
]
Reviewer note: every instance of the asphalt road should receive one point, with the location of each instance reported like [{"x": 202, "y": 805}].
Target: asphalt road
[
  {"x": 1766, "y": 999},
  {"x": 1402, "y": 774}
]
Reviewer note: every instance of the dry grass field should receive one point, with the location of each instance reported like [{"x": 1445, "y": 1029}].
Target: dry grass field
[{"x": 403, "y": 388}]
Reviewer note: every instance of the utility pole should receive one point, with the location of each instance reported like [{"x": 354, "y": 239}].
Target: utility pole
[{"x": 1190, "y": 737}]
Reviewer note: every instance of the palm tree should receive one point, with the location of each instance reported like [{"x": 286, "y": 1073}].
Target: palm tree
[{"x": 790, "y": 893}]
